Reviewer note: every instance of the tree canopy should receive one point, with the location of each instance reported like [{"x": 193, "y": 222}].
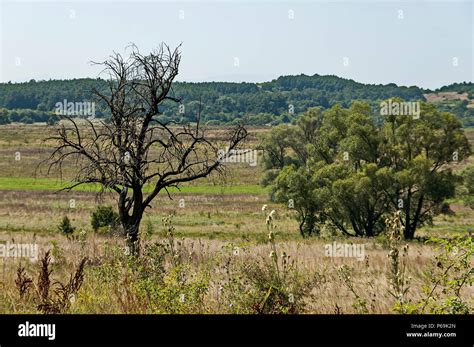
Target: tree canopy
[
  {"x": 275, "y": 102},
  {"x": 338, "y": 167}
]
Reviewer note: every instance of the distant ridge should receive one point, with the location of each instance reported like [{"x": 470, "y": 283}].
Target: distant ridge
[{"x": 227, "y": 102}]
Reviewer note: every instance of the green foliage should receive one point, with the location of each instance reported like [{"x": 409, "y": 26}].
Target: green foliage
[
  {"x": 158, "y": 282},
  {"x": 65, "y": 226},
  {"x": 460, "y": 108},
  {"x": 4, "y": 116},
  {"x": 398, "y": 255},
  {"x": 463, "y": 87},
  {"x": 104, "y": 216},
  {"x": 227, "y": 103},
  {"x": 298, "y": 188},
  {"x": 466, "y": 190},
  {"x": 224, "y": 103},
  {"x": 340, "y": 166},
  {"x": 420, "y": 152},
  {"x": 26, "y": 116},
  {"x": 450, "y": 272}
]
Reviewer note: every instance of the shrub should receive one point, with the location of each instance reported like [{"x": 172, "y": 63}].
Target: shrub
[
  {"x": 65, "y": 226},
  {"x": 450, "y": 272},
  {"x": 104, "y": 216},
  {"x": 27, "y": 120}
]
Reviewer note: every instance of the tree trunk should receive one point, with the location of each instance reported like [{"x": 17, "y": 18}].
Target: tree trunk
[
  {"x": 308, "y": 224},
  {"x": 369, "y": 229},
  {"x": 131, "y": 227},
  {"x": 409, "y": 232},
  {"x": 302, "y": 221},
  {"x": 131, "y": 223}
]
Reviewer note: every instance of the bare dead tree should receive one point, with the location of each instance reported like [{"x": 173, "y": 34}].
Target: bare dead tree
[{"x": 135, "y": 148}]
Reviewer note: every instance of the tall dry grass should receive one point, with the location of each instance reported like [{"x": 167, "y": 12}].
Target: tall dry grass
[{"x": 194, "y": 275}]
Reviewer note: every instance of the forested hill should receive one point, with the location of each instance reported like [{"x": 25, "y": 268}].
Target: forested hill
[
  {"x": 464, "y": 87},
  {"x": 261, "y": 103}
]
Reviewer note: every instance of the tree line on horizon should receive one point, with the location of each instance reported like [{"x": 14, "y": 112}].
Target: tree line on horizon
[
  {"x": 275, "y": 102},
  {"x": 279, "y": 101}
]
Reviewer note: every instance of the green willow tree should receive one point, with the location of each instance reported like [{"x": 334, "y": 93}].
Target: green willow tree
[
  {"x": 337, "y": 166},
  {"x": 421, "y": 153}
]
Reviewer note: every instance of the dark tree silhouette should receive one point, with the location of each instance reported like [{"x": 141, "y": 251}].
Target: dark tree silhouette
[{"x": 134, "y": 148}]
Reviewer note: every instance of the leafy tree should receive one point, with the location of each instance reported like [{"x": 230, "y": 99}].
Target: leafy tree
[
  {"x": 420, "y": 152},
  {"x": 355, "y": 202},
  {"x": 339, "y": 166},
  {"x": 321, "y": 182},
  {"x": 467, "y": 187},
  {"x": 4, "y": 116},
  {"x": 293, "y": 186},
  {"x": 275, "y": 147}
]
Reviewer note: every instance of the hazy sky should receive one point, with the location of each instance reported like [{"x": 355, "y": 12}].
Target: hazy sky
[{"x": 424, "y": 43}]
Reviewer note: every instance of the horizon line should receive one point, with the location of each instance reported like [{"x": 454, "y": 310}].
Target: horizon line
[{"x": 249, "y": 82}]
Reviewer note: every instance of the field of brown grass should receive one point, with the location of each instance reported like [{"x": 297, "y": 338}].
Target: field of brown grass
[
  {"x": 216, "y": 236},
  {"x": 217, "y": 262}
]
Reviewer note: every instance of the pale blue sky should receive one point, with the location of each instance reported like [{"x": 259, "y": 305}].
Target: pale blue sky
[{"x": 57, "y": 39}]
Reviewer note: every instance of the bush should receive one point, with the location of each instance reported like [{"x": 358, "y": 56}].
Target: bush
[
  {"x": 4, "y": 117},
  {"x": 52, "y": 120},
  {"x": 104, "y": 216},
  {"x": 65, "y": 226},
  {"x": 450, "y": 272},
  {"x": 27, "y": 120}
]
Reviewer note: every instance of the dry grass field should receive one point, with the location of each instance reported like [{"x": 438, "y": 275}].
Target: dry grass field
[{"x": 216, "y": 263}]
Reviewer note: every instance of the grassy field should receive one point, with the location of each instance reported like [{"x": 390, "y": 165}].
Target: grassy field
[
  {"x": 227, "y": 205},
  {"x": 220, "y": 215},
  {"x": 51, "y": 184}
]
